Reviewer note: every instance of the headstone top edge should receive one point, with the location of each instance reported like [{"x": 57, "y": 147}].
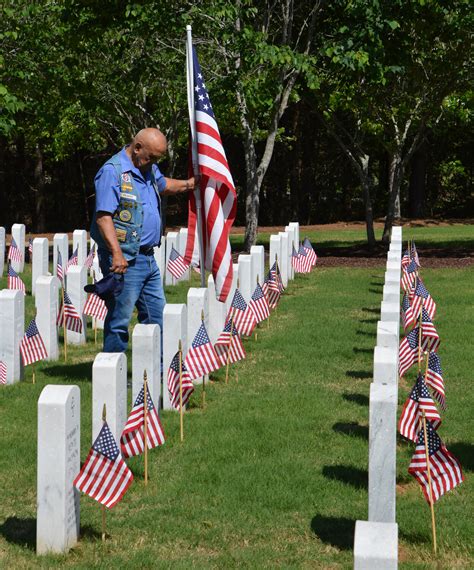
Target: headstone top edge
[
  {"x": 57, "y": 393},
  {"x": 141, "y": 329},
  {"x": 110, "y": 358}
]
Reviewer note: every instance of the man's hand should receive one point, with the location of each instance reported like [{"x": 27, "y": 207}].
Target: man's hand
[{"x": 119, "y": 263}]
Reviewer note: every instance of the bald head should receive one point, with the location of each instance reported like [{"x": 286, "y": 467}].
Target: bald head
[{"x": 146, "y": 148}]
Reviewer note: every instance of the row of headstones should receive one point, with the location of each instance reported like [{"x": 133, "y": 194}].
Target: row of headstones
[
  {"x": 58, "y": 512},
  {"x": 376, "y": 540}
]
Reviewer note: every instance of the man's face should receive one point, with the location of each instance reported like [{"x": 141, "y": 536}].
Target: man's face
[{"x": 148, "y": 153}]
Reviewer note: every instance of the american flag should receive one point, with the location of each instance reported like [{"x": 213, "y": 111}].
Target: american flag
[
  {"x": 408, "y": 352},
  {"x": 59, "y": 267},
  {"x": 418, "y": 401},
  {"x": 217, "y": 191},
  {"x": 231, "y": 345},
  {"x": 73, "y": 319},
  {"x": 3, "y": 372},
  {"x": 408, "y": 319},
  {"x": 312, "y": 257},
  {"x": 258, "y": 304},
  {"x": 406, "y": 258},
  {"x": 430, "y": 334},
  {"x": 434, "y": 378},
  {"x": 90, "y": 258},
  {"x": 73, "y": 260},
  {"x": 421, "y": 297},
  {"x": 445, "y": 469},
  {"x": 271, "y": 289},
  {"x": 296, "y": 261},
  {"x": 177, "y": 266},
  {"x": 14, "y": 281},
  {"x": 305, "y": 259},
  {"x": 95, "y": 307},
  {"x": 173, "y": 382},
  {"x": 414, "y": 254},
  {"x": 244, "y": 319},
  {"x": 408, "y": 280},
  {"x": 276, "y": 274},
  {"x": 201, "y": 358},
  {"x": 30, "y": 246},
  {"x": 14, "y": 253},
  {"x": 132, "y": 440},
  {"x": 32, "y": 347},
  {"x": 104, "y": 476}
]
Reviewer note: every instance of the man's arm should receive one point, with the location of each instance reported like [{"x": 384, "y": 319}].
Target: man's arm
[
  {"x": 107, "y": 230},
  {"x": 174, "y": 186}
]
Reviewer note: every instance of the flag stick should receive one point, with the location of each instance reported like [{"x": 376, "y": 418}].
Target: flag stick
[
  {"x": 64, "y": 324},
  {"x": 228, "y": 350},
  {"x": 181, "y": 416},
  {"x": 420, "y": 334},
  {"x": 204, "y": 376},
  {"x": 34, "y": 377},
  {"x": 104, "y": 417},
  {"x": 145, "y": 424},
  {"x": 95, "y": 331},
  {"x": 194, "y": 152},
  {"x": 433, "y": 520}
]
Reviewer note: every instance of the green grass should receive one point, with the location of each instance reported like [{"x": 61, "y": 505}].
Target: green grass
[{"x": 273, "y": 473}]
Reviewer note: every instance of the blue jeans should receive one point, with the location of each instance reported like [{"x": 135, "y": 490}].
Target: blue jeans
[{"x": 142, "y": 289}]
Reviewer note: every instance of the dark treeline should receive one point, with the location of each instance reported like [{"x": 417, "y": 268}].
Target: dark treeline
[{"x": 328, "y": 111}]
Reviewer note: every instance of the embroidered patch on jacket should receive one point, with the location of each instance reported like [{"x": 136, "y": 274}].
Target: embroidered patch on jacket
[
  {"x": 126, "y": 177},
  {"x": 128, "y": 196},
  {"x": 121, "y": 234},
  {"x": 125, "y": 215}
]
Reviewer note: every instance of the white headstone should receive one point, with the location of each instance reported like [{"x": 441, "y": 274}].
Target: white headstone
[
  {"x": 257, "y": 252},
  {"x": 246, "y": 283},
  {"x": 375, "y": 546},
  {"x": 12, "y": 329},
  {"x": 76, "y": 281},
  {"x": 59, "y": 444},
  {"x": 146, "y": 355},
  {"x": 291, "y": 231},
  {"x": 46, "y": 302},
  {"x": 388, "y": 334},
  {"x": 391, "y": 293},
  {"x": 40, "y": 261},
  {"x": 2, "y": 250},
  {"x": 382, "y": 452},
  {"x": 61, "y": 243},
  {"x": 396, "y": 233},
  {"x": 79, "y": 242},
  {"x": 18, "y": 234},
  {"x": 171, "y": 241},
  {"x": 174, "y": 330},
  {"x": 230, "y": 296},
  {"x": 392, "y": 278},
  {"x": 394, "y": 257},
  {"x": 217, "y": 312},
  {"x": 386, "y": 365},
  {"x": 296, "y": 225},
  {"x": 284, "y": 257},
  {"x": 198, "y": 301},
  {"x": 390, "y": 311},
  {"x": 182, "y": 241},
  {"x": 160, "y": 258},
  {"x": 109, "y": 387},
  {"x": 275, "y": 250},
  {"x": 395, "y": 267}
]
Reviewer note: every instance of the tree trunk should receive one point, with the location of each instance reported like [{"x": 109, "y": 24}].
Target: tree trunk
[
  {"x": 367, "y": 187},
  {"x": 417, "y": 187},
  {"x": 252, "y": 187},
  {"x": 395, "y": 177},
  {"x": 39, "y": 189}
]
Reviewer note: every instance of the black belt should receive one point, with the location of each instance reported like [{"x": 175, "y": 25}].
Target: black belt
[{"x": 146, "y": 250}]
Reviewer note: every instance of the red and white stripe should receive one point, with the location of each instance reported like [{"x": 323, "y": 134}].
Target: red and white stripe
[
  {"x": 3, "y": 372},
  {"x": 95, "y": 307},
  {"x": 132, "y": 441},
  {"x": 201, "y": 360},
  {"x": 14, "y": 253},
  {"x": 225, "y": 346},
  {"x": 70, "y": 314},
  {"x": 173, "y": 383},
  {"x": 32, "y": 349},
  {"x": 258, "y": 304}
]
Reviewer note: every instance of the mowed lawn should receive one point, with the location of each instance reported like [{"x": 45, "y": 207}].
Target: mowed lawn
[{"x": 273, "y": 472}]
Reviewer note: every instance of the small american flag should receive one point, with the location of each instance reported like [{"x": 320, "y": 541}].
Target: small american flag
[
  {"x": 312, "y": 257},
  {"x": 69, "y": 312},
  {"x": 59, "y": 267},
  {"x": 421, "y": 297},
  {"x": 305, "y": 259},
  {"x": 406, "y": 258},
  {"x": 90, "y": 258},
  {"x": 430, "y": 334},
  {"x": 258, "y": 304},
  {"x": 14, "y": 253},
  {"x": 30, "y": 246},
  {"x": 445, "y": 469},
  {"x": 408, "y": 352},
  {"x": 434, "y": 378},
  {"x": 95, "y": 307},
  {"x": 201, "y": 358},
  {"x": 408, "y": 319},
  {"x": 3, "y": 372},
  {"x": 271, "y": 289},
  {"x": 296, "y": 261},
  {"x": 244, "y": 319},
  {"x": 177, "y": 265},
  {"x": 408, "y": 280},
  {"x": 418, "y": 401},
  {"x": 414, "y": 254},
  {"x": 275, "y": 271},
  {"x": 32, "y": 347},
  {"x": 132, "y": 440},
  {"x": 232, "y": 346},
  {"x": 73, "y": 260},
  {"x": 173, "y": 382},
  {"x": 104, "y": 476},
  {"x": 14, "y": 281}
]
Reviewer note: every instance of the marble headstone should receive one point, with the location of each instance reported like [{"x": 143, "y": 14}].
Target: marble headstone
[
  {"x": 296, "y": 226},
  {"x": 291, "y": 231},
  {"x": 174, "y": 330},
  {"x": 61, "y": 243},
  {"x": 146, "y": 355},
  {"x": 375, "y": 546},
  {"x": 275, "y": 250},
  {"x": 217, "y": 312},
  {"x": 388, "y": 334},
  {"x": 284, "y": 257},
  {"x": 76, "y": 281},
  {"x": 182, "y": 241},
  {"x": 2, "y": 250},
  {"x": 40, "y": 262},
  {"x": 12, "y": 329},
  {"x": 257, "y": 253},
  {"x": 18, "y": 234},
  {"x": 198, "y": 301},
  {"x": 160, "y": 257},
  {"x": 171, "y": 241},
  {"x": 46, "y": 302},
  {"x": 246, "y": 283},
  {"x": 79, "y": 242},
  {"x": 386, "y": 365}
]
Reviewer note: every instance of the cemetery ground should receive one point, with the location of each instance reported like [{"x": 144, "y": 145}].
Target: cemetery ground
[{"x": 273, "y": 472}]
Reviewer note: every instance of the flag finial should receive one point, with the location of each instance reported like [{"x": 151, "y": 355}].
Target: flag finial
[{"x": 104, "y": 413}]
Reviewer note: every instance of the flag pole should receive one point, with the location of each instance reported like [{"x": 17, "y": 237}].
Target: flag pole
[
  {"x": 34, "y": 377},
  {"x": 181, "y": 418},
  {"x": 145, "y": 424},
  {"x": 433, "y": 520},
  {"x": 420, "y": 334},
  {"x": 228, "y": 348},
  {"x": 204, "y": 376},
  {"x": 64, "y": 323},
  {"x": 94, "y": 319},
  {"x": 104, "y": 418},
  {"x": 194, "y": 151}
]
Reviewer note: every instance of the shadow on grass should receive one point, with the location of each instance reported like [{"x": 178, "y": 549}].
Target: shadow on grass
[
  {"x": 415, "y": 537},
  {"x": 78, "y": 371},
  {"x": 351, "y": 428},
  {"x": 357, "y": 478},
  {"x": 20, "y": 531},
  {"x": 358, "y": 350},
  {"x": 360, "y": 399},
  {"x": 371, "y": 310},
  {"x": 336, "y": 531},
  {"x": 369, "y": 321},
  {"x": 359, "y": 374},
  {"x": 90, "y": 533},
  {"x": 465, "y": 453},
  {"x": 366, "y": 333},
  {"x": 376, "y": 291}
]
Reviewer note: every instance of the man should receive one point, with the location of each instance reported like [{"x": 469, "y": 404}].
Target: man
[{"x": 126, "y": 227}]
